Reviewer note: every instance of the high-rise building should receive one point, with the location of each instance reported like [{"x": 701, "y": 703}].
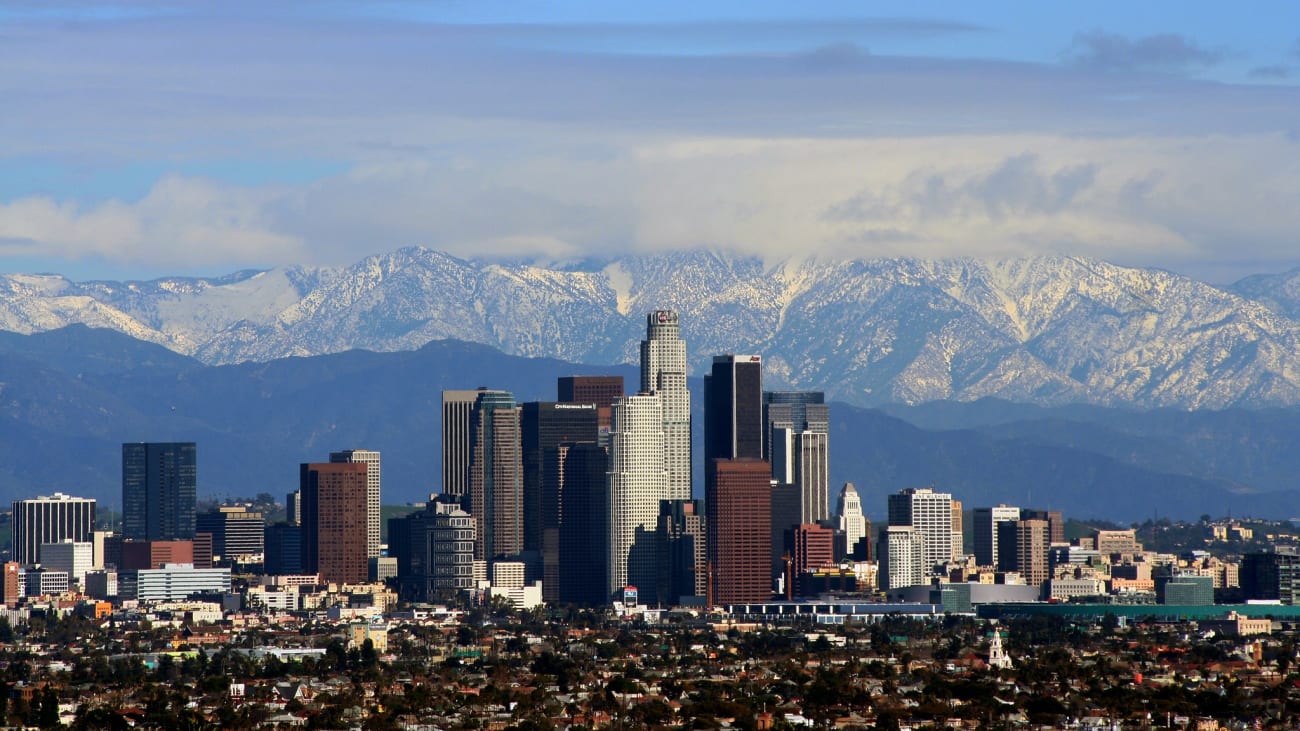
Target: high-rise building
[
  {"x": 1023, "y": 547},
  {"x": 13, "y": 584},
  {"x": 496, "y": 476},
  {"x": 602, "y": 391},
  {"x": 1271, "y": 575},
  {"x": 638, "y": 482},
  {"x": 683, "y": 561},
  {"x": 733, "y": 408},
  {"x": 1055, "y": 523},
  {"x": 159, "y": 490},
  {"x": 796, "y": 441},
  {"x": 434, "y": 549},
  {"x": 583, "y": 532},
  {"x": 984, "y": 528},
  {"x": 236, "y": 531},
  {"x": 852, "y": 522},
  {"x": 371, "y": 460},
  {"x": 544, "y": 427},
  {"x": 930, "y": 513},
  {"x": 958, "y": 532},
  {"x": 738, "y": 499},
  {"x": 457, "y": 440},
  {"x": 283, "y": 556},
  {"x": 53, "y": 519},
  {"x": 334, "y": 521},
  {"x": 901, "y": 554},
  {"x": 663, "y": 372},
  {"x": 293, "y": 507}
]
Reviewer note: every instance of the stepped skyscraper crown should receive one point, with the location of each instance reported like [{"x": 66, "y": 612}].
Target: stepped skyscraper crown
[{"x": 663, "y": 372}]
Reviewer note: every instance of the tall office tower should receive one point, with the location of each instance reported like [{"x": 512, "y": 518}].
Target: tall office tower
[
  {"x": 13, "y": 592},
  {"x": 984, "y": 528},
  {"x": 74, "y": 557},
  {"x": 796, "y": 441},
  {"x": 457, "y": 440},
  {"x": 901, "y": 554},
  {"x": 1055, "y": 523},
  {"x": 1272, "y": 575},
  {"x": 293, "y": 507},
  {"x": 638, "y": 481},
  {"x": 683, "y": 560},
  {"x": 812, "y": 547},
  {"x": 663, "y": 372},
  {"x": 544, "y": 427},
  {"x": 370, "y": 459},
  {"x": 738, "y": 503},
  {"x": 334, "y": 521},
  {"x": 1023, "y": 546},
  {"x": 930, "y": 513},
  {"x": 852, "y": 522},
  {"x": 583, "y": 536},
  {"x": 236, "y": 531},
  {"x": 50, "y": 519},
  {"x": 733, "y": 408},
  {"x": 602, "y": 391},
  {"x": 958, "y": 533},
  {"x": 283, "y": 555},
  {"x": 159, "y": 489},
  {"x": 496, "y": 476},
  {"x": 787, "y": 509}
]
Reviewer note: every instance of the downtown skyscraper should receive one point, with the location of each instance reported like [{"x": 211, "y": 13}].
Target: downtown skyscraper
[
  {"x": 371, "y": 459},
  {"x": 638, "y": 483},
  {"x": 663, "y": 372},
  {"x": 159, "y": 490}
]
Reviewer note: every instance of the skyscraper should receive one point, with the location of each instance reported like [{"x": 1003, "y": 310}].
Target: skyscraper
[
  {"x": 52, "y": 519},
  {"x": 638, "y": 481},
  {"x": 370, "y": 459},
  {"x": 733, "y": 408},
  {"x": 738, "y": 497},
  {"x": 496, "y": 476},
  {"x": 334, "y": 521},
  {"x": 683, "y": 561},
  {"x": 663, "y": 372},
  {"x": 235, "y": 530},
  {"x": 902, "y": 555},
  {"x": 797, "y": 443},
  {"x": 984, "y": 529},
  {"x": 1023, "y": 546},
  {"x": 159, "y": 489},
  {"x": 930, "y": 513},
  {"x": 544, "y": 426},
  {"x": 602, "y": 391},
  {"x": 457, "y": 407},
  {"x": 583, "y": 534},
  {"x": 852, "y": 522}
]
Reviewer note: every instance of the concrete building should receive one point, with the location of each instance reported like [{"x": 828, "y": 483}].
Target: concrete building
[
  {"x": 159, "y": 490},
  {"x": 796, "y": 437},
  {"x": 602, "y": 391},
  {"x": 175, "y": 582},
  {"x": 46, "y": 582},
  {"x": 984, "y": 528},
  {"x": 74, "y": 557},
  {"x": 663, "y": 372},
  {"x": 930, "y": 513},
  {"x": 283, "y": 549},
  {"x": 901, "y": 556},
  {"x": 236, "y": 532},
  {"x": 334, "y": 521},
  {"x": 52, "y": 519},
  {"x": 638, "y": 483},
  {"x": 457, "y": 408},
  {"x": 496, "y": 475},
  {"x": 683, "y": 558},
  {"x": 738, "y": 506},
  {"x": 374, "y": 489},
  {"x": 134, "y": 555},
  {"x": 853, "y": 523}
]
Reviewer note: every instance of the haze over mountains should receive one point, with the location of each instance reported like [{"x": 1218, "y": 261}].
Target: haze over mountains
[
  {"x": 1075, "y": 352},
  {"x": 1049, "y": 330}
]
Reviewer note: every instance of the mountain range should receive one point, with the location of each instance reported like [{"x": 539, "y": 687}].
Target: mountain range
[{"x": 1049, "y": 331}]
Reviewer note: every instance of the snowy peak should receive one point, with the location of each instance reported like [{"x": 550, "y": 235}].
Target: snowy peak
[{"x": 1047, "y": 330}]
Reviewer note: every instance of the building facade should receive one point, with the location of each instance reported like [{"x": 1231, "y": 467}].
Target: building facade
[
  {"x": 638, "y": 482},
  {"x": 496, "y": 476},
  {"x": 930, "y": 513},
  {"x": 853, "y": 523},
  {"x": 797, "y": 442},
  {"x": 159, "y": 490},
  {"x": 984, "y": 529},
  {"x": 738, "y": 504},
  {"x": 457, "y": 440},
  {"x": 236, "y": 531},
  {"x": 53, "y": 519},
  {"x": 334, "y": 521},
  {"x": 374, "y": 487},
  {"x": 663, "y": 372}
]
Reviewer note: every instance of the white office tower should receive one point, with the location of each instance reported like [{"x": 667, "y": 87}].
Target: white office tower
[
  {"x": 985, "y": 530},
  {"x": 930, "y": 513},
  {"x": 901, "y": 552},
  {"x": 663, "y": 372},
  {"x": 53, "y": 519},
  {"x": 851, "y": 520},
  {"x": 371, "y": 460},
  {"x": 637, "y": 482},
  {"x": 74, "y": 557}
]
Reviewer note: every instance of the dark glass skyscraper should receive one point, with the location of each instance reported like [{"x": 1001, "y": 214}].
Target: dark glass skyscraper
[
  {"x": 733, "y": 408},
  {"x": 159, "y": 489}
]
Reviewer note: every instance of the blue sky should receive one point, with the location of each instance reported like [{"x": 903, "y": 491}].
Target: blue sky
[{"x": 148, "y": 138}]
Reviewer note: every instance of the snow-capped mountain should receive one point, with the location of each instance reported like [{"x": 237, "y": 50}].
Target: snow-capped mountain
[{"x": 1047, "y": 330}]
